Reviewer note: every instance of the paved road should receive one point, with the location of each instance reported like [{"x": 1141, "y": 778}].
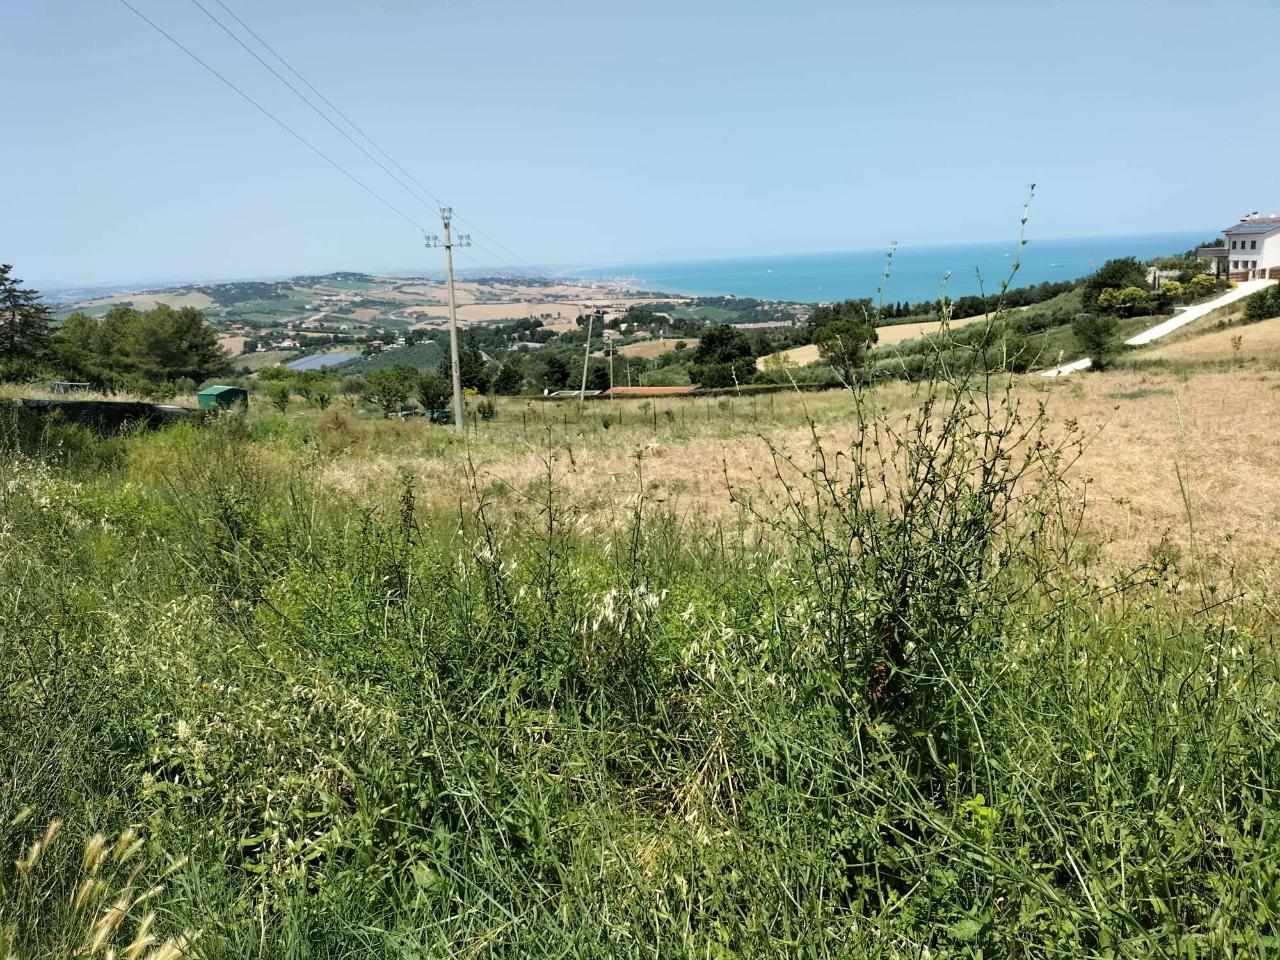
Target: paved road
[
  {"x": 1066, "y": 368},
  {"x": 1176, "y": 322},
  {"x": 1197, "y": 311}
]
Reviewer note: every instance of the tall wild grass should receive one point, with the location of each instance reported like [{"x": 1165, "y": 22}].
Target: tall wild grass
[{"x": 892, "y": 711}]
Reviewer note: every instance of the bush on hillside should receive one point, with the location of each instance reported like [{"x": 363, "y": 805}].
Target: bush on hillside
[
  {"x": 1096, "y": 336},
  {"x": 1263, "y": 305},
  {"x": 1126, "y": 301}
]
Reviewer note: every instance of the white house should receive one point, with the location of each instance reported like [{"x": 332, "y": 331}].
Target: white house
[{"x": 1252, "y": 249}]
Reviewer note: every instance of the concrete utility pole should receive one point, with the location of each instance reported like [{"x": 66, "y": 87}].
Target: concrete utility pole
[
  {"x": 586, "y": 357},
  {"x": 608, "y": 346},
  {"x": 464, "y": 240}
]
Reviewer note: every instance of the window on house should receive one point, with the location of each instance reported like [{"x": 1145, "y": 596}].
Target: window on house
[
  {"x": 1235, "y": 264},
  {"x": 1253, "y": 244},
  {"x": 1233, "y": 244}
]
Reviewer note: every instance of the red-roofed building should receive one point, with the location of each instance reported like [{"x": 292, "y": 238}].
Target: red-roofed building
[{"x": 625, "y": 392}]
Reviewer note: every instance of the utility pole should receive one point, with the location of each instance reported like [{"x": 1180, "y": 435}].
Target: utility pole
[
  {"x": 608, "y": 347},
  {"x": 464, "y": 240},
  {"x": 586, "y": 358}
]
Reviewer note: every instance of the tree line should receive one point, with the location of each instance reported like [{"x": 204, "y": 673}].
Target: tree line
[{"x": 141, "y": 350}]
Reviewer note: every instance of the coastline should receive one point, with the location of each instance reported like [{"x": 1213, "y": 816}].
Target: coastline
[{"x": 917, "y": 273}]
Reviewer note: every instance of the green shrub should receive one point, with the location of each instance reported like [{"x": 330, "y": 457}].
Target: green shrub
[{"x": 1263, "y": 305}]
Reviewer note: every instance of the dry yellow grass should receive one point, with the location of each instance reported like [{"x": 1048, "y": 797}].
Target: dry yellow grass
[
  {"x": 232, "y": 346},
  {"x": 145, "y": 301},
  {"x": 1144, "y": 432},
  {"x": 648, "y": 349},
  {"x": 898, "y": 332},
  {"x": 886, "y": 336},
  {"x": 798, "y": 356},
  {"x": 1258, "y": 341}
]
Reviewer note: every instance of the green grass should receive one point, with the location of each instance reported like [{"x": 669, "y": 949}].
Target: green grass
[
  {"x": 1140, "y": 393},
  {"x": 266, "y": 309},
  {"x": 333, "y": 284},
  {"x": 96, "y": 310},
  {"x": 863, "y": 720}
]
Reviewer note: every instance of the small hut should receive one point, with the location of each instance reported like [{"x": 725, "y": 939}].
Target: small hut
[{"x": 220, "y": 397}]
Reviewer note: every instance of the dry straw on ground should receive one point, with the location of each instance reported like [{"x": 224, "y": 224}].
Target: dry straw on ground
[{"x": 1164, "y": 456}]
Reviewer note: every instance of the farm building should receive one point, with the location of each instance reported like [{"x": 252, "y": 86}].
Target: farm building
[{"x": 219, "y": 397}]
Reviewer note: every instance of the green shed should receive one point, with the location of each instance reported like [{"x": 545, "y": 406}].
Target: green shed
[{"x": 216, "y": 397}]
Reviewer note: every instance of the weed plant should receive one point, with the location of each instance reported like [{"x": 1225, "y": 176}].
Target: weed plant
[{"x": 891, "y": 711}]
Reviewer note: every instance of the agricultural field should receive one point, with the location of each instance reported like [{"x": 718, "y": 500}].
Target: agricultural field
[
  {"x": 648, "y": 349},
  {"x": 424, "y": 355},
  {"x": 611, "y": 673},
  {"x": 706, "y": 313}
]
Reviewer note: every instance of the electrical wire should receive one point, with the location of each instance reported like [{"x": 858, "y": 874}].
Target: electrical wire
[
  {"x": 284, "y": 126},
  {"x": 353, "y": 125}
]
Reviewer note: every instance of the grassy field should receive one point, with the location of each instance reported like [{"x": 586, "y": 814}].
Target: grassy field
[
  {"x": 1245, "y": 343},
  {"x": 944, "y": 669},
  {"x": 648, "y": 349}
]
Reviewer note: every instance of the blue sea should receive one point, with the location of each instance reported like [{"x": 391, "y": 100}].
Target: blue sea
[{"x": 917, "y": 273}]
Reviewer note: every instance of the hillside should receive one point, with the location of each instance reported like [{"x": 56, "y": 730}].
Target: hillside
[{"x": 423, "y": 356}]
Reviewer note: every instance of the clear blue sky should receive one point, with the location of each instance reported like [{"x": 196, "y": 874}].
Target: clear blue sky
[{"x": 585, "y": 131}]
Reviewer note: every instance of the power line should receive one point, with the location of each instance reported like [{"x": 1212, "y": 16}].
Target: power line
[
  {"x": 329, "y": 103},
  {"x": 352, "y": 124},
  {"x": 320, "y": 113},
  {"x": 280, "y": 123}
]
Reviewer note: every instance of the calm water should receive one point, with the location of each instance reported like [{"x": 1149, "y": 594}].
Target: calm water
[
  {"x": 918, "y": 273},
  {"x": 320, "y": 361}
]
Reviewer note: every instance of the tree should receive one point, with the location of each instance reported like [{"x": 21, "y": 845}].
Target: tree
[
  {"x": 471, "y": 365},
  {"x": 1118, "y": 273},
  {"x": 1171, "y": 291},
  {"x": 724, "y": 358},
  {"x": 598, "y": 376},
  {"x": 156, "y": 346},
  {"x": 79, "y": 330},
  {"x": 24, "y": 320},
  {"x": 1095, "y": 335},
  {"x": 280, "y": 393},
  {"x": 843, "y": 332},
  {"x": 509, "y": 379},
  {"x": 389, "y": 389},
  {"x": 1126, "y": 302},
  {"x": 435, "y": 394},
  {"x": 1200, "y": 286},
  {"x": 551, "y": 371}
]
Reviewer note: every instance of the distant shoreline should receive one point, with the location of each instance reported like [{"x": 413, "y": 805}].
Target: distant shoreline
[{"x": 917, "y": 273}]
